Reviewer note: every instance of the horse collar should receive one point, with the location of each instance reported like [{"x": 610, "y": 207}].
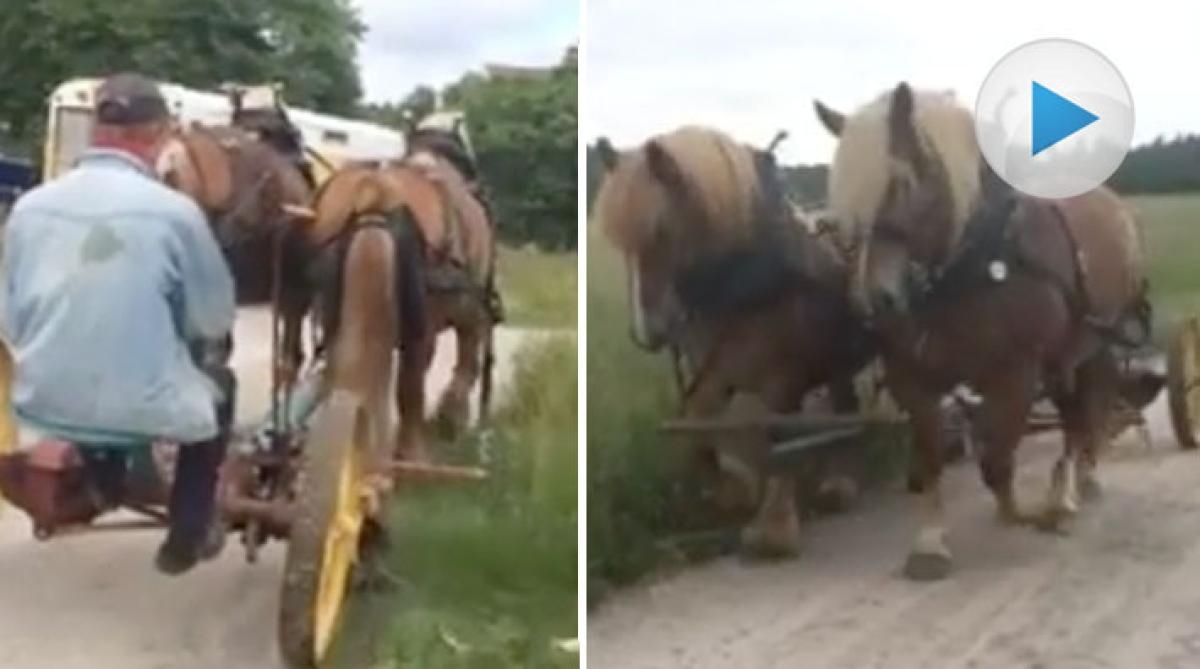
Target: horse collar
[{"x": 986, "y": 254}]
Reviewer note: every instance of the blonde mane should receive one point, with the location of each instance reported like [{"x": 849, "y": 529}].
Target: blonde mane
[
  {"x": 720, "y": 177},
  {"x": 863, "y": 168}
]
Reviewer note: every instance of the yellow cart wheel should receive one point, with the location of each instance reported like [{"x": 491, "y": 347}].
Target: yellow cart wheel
[
  {"x": 1183, "y": 382},
  {"x": 325, "y": 530}
]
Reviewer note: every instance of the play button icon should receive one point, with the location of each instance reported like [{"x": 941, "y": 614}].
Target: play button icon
[{"x": 1054, "y": 118}]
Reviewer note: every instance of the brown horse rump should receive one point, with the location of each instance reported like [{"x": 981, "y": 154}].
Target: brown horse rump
[
  {"x": 325, "y": 272},
  {"x": 458, "y": 239}
]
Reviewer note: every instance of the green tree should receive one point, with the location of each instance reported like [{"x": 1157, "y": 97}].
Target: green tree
[
  {"x": 309, "y": 45},
  {"x": 415, "y": 106},
  {"x": 525, "y": 130}
]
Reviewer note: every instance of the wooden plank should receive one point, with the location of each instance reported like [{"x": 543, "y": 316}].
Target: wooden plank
[
  {"x": 100, "y": 527},
  {"x": 779, "y": 423},
  {"x": 792, "y": 448},
  {"x": 420, "y": 471}
]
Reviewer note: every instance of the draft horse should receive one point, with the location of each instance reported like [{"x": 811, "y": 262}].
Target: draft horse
[
  {"x": 720, "y": 270},
  {"x": 967, "y": 281},
  {"x": 457, "y": 269},
  {"x": 256, "y": 200}
]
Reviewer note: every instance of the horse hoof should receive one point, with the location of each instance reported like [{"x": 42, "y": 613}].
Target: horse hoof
[
  {"x": 836, "y": 495},
  {"x": 922, "y": 566},
  {"x": 1011, "y": 518},
  {"x": 1054, "y": 520},
  {"x": 1090, "y": 490},
  {"x": 758, "y": 544}
]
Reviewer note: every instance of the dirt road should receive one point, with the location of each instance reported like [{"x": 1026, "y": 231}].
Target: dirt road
[
  {"x": 95, "y": 601},
  {"x": 1122, "y": 592}
]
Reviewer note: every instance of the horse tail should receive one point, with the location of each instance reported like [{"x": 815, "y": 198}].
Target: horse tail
[
  {"x": 367, "y": 320},
  {"x": 410, "y": 276}
]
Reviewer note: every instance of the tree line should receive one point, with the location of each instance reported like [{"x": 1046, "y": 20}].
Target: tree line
[
  {"x": 1162, "y": 166},
  {"x": 524, "y": 128}
]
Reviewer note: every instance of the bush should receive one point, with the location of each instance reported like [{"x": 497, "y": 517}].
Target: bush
[{"x": 633, "y": 475}]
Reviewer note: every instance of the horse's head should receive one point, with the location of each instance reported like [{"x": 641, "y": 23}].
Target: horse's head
[
  {"x": 905, "y": 176},
  {"x": 667, "y": 205}
]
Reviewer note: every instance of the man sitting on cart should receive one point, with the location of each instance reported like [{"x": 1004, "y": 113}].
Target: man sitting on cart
[{"x": 112, "y": 282}]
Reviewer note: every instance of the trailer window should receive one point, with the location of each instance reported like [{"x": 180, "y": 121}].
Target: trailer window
[
  {"x": 72, "y": 136},
  {"x": 335, "y": 136}
]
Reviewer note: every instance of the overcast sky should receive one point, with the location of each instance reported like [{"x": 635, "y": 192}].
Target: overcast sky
[
  {"x": 752, "y": 67},
  {"x": 411, "y": 42}
]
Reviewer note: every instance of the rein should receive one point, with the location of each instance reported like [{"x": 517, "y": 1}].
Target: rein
[
  {"x": 281, "y": 389},
  {"x": 248, "y": 198}
]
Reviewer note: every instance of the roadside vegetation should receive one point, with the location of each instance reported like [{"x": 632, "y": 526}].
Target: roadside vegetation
[
  {"x": 485, "y": 573},
  {"x": 539, "y": 287},
  {"x": 1172, "y": 228},
  {"x": 488, "y": 570},
  {"x": 633, "y": 476}
]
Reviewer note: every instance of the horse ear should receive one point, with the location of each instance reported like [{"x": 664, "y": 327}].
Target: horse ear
[
  {"x": 903, "y": 142},
  {"x": 664, "y": 168},
  {"x": 832, "y": 120},
  {"x": 608, "y": 155}
]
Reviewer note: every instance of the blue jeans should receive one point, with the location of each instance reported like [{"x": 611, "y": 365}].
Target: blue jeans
[{"x": 192, "y": 503}]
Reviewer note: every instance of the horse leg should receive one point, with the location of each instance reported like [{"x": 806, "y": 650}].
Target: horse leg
[
  {"x": 410, "y": 397},
  {"x": 775, "y": 529},
  {"x": 929, "y": 559},
  {"x": 1085, "y": 416},
  {"x": 453, "y": 410},
  {"x": 838, "y": 488},
  {"x": 738, "y": 484},
  {"x": 1004, "y": 416}
]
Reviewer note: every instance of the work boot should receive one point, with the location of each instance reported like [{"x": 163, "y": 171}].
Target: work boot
[{"x": 176, "y": 557}]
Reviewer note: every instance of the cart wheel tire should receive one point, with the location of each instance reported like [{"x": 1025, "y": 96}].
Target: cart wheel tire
[
  {"x": 324, "y": 535},
  {"x": 1183, "y": 382}
]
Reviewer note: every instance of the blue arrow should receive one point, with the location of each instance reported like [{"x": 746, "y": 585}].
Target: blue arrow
[{"x": 1056, "y": 118}]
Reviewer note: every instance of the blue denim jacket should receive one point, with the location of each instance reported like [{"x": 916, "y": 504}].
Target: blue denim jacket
[{"x": 108, "y": 273}]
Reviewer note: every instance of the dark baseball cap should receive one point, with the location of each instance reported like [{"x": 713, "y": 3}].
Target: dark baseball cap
[{"x": 129, "y": 99}]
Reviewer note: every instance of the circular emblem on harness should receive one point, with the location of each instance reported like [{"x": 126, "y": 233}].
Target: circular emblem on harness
[{"x": 998, "y": 270}]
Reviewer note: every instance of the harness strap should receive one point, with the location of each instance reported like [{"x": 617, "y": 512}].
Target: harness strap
[{"x": 993, "y": 240}]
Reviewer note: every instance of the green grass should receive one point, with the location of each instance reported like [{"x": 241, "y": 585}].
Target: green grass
[
  {"x": 632, "y": 475},
  {"x": 1172, "y": 229},
  {"x": 539, "y": 288},
  {"x": 489, "y": 570}
]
